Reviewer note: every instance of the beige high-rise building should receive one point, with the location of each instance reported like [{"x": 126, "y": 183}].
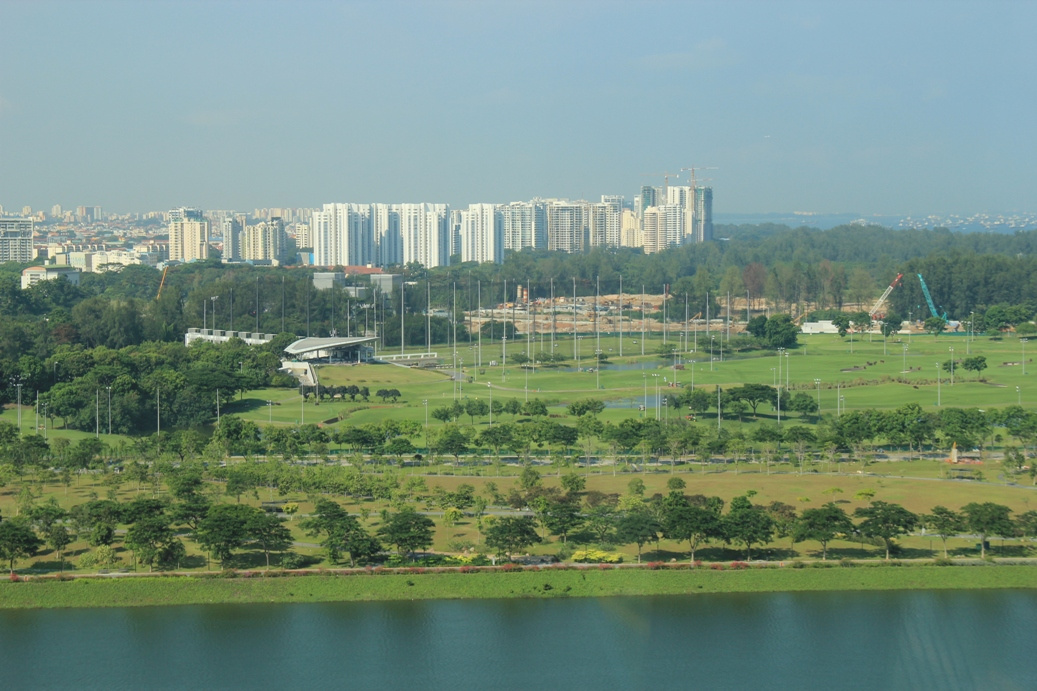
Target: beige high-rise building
[
  {"x": 188, "y": 240},
  {"x": 264, "y": 241},
  {"x": 630, "y": 232}
]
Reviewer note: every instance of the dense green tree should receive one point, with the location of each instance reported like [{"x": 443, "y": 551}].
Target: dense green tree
[
  {"x": 986, "y": 519},
  {"x": 408, "y": 530},
  {"x": 781, "y": 331},
  {"x": 590, "y": 406},
  {"x": 98, "y": 519},
  {"x": 891, "y": 324},
  {"x": 601, "y": 521},
  {"x": 753, "y": 395},
  {"x": 976, "y": 363},
  {"x": 509, "y": 534},
  {"x": 332, "y": 522},
  {"x": 225, "y": 529},
  {"x": 563, "y": 517},
  {"x": 150, "y": 537},
  {"x": 17, "y": 541},
  {"x": 945, "y": 523},
  {"x": 452, "y": 441},
  {"x": 497, "y": 437},
  {"x": 535, "y": 408},
  {"x": 475, "y": 407},
  {"x": 638, "y": 527},
  {"x": 268, "y": 532},
  {"x": 747, "y": 524},
  {"x": 934, "y": 326},
  {"x": 885, "y": 521},
  {"x": 684, "y": 522},
  {"x": 823, "y": 524}
]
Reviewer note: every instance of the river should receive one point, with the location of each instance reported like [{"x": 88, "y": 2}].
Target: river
[{"x": 899, "y": 640}]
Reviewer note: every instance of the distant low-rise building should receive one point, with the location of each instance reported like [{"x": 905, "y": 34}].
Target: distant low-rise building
[{"x": 35, "y": 274}]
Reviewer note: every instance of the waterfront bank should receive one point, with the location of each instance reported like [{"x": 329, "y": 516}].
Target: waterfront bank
[{"x": 544, "y": 583}]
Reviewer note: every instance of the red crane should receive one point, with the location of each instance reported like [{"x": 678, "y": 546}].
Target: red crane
[{"x": 875, "y": 309}]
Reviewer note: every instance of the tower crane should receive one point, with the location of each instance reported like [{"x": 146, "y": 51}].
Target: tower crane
[
  {"x": 693, "y": 169},
  {"x": 875, "y": 310},
  {"x": 162, "y": 282},
  {"x": 929, "y": 300},
  {"x": 666, "y": 179}
]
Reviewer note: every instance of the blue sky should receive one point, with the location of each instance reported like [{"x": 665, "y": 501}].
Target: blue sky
[{"x": 903, "y": 107}]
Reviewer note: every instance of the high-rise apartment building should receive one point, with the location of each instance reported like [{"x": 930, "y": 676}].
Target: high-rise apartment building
[
  {"x": 264, "y": 241},
  {"x": 188, "y": 235},
  {"x": 230, "y": 230},
  {"x": 16, "y": 235},
  {"x": 385, "y": 230},
  {"x": 482, "y": 234},
  {"x": 703, "y": 222},
  {"x": 182, "y": 213},
  {"x": 663, "y": 227},
  {"x": 604, "y": 222},
  {"x": 342, "y": 235},
  {"x": 630, "y": 231},
  {"x": 566, "y": 226},
  {"x": 426, "y": 234},
  {"x": 524, "y": 225}
]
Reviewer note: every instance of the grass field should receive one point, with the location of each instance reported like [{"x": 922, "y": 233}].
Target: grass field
[
  {"x": 917, "y": 484},
  {"x": 874, "y": 375},
  {"x": 918, "y": 494},
  {"x": 545, "y": 583}
]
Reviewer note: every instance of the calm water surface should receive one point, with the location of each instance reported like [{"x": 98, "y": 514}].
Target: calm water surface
[{"x": 911, "y": 640}]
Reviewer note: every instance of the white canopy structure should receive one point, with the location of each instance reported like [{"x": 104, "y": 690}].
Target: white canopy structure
[{"x": 334, "y": 349}]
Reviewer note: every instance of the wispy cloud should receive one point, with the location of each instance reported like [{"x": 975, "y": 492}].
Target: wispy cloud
[{"x": 704, "y": 56}]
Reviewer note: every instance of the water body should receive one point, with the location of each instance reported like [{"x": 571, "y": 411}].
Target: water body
[
  {"x": 637, "y": 401},
  {"x": 624, "y": 367},
  {"x": 908, "y": 640}
]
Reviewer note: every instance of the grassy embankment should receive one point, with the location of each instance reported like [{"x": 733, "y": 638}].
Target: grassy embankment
[{"x": 546, "y": 583}]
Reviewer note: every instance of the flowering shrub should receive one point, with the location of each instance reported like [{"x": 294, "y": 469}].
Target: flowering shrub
[
  {"x": 655, "y": 565},
  {"x": 596, "y": 556},
  {"x": 697, "y": 564},
  {"x": 467, "y": 569},
  {"x": 739, "y": 565},
  {"x": 510, "y": 566},
  {"x": 717, "y": 567}
]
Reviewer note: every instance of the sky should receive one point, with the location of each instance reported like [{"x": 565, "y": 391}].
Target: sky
[{"x": 909, "y": 107}]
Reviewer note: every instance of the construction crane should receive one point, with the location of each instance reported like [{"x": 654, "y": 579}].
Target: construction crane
[
  {"x": 875, "y": 310},
  {"x": 693, "y": 169},
  {"x": 929, "y": 300},
  {"x": 162, "y": 282},
  {"x": 666, "y": 180}
]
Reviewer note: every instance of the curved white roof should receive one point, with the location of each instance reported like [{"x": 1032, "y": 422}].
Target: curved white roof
[{"x": 309, "y": 345}]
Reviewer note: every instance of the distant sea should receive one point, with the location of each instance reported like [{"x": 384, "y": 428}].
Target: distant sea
[{"x": 980, "y": 223}]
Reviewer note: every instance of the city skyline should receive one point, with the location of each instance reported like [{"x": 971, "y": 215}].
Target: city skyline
[{"x": 885, "y": 108}]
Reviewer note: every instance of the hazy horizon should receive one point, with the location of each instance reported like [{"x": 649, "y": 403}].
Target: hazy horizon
[{"x": 881, "y": 108}]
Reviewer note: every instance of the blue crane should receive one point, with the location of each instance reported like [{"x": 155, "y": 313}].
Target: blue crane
[{"x": 929, "y": 300}]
